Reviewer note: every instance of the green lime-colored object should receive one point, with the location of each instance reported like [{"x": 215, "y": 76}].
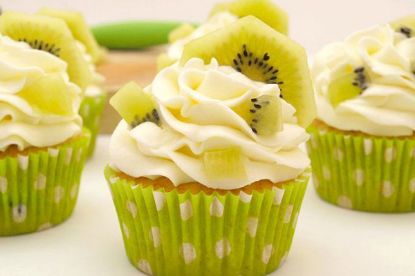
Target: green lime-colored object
[
  {"x": 185, "y": 233},
  {"x": 39, "y": 189},
  {"x": 362, "y": 172},
  {"x": 133, "y": 34}
]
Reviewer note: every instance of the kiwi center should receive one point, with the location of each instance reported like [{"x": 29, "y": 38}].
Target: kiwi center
[
  {"x": 152, "y": 116},
  {"x": 255, "y": 67},
  {"x": 43, "y": 46}
]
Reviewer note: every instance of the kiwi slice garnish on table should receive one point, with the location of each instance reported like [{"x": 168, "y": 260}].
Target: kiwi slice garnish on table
[
  {"x": 347, "y": 83},
  {"x": 405, "y": 25},
  {"x": 79, "y": 29},
  {"x": 262, "y": 54},
  {"x": 49, "y": 95},
  {"x": 264, "y": 10},
  {"x": 224, "y": 163},
  {"x": 50, "y": 35},
  {"x": 134, "y": 105}
]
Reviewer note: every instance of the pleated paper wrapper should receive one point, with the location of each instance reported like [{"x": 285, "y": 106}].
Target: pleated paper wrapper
[
  {"x": 363, "y": 172},
  {"x": 172, "y": 233},
  {"x": 91, "y": 111},
  {"x": 39, "y": 189}
]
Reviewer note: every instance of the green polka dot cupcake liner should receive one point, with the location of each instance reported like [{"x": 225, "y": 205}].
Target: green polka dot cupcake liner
[
  {"x": 39, "y": 189},
  {"x": 360, "y": 172},
  {"x": 172, "y": 233},
  {"x": 90, "y": 111}
]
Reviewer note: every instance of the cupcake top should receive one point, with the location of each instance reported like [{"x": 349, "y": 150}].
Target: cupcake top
[
  {"x": 205, "y": 120},
  {"x": 38, "y": 102},
  {"x": 367, "y": 82}
]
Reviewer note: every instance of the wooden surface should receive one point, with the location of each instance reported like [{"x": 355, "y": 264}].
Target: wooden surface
[{"x": 120, "y": 67}]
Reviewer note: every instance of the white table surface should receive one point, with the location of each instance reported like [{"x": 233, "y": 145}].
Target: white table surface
[{"x": 328, "y": 241}]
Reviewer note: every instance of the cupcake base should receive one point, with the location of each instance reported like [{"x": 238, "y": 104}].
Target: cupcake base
[
  {"x": 173, "y": 231},
  {"x": 362, "y": 172},
  {"x": 39, "y": 187},
  {"x": 90, "y": 111}
]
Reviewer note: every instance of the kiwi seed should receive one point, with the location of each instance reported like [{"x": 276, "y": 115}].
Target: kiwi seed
[
  {"x": 360, "y": 79},
  {"x": 406, "y": 31},
  {"x": 246, "y": 57},
  {"x": 40, "y": 45},
  {"x": 152, "y": 116}
]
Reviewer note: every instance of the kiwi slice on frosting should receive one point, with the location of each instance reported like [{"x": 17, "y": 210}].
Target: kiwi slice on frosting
[
  {"x": 348, "y": 83},
  {"x": 224, "y": 163},
  {"x": 264, "y": 10},
  {"x": 49, "y": 94},
  {"x": 405, "y": 25},
  {"x": 79, "y": 29},
  {"x": 134, "y": 105},
  {"x": 50, "y": 35},
  {"x": 262, "y": 54},
  {"x": 180, "y": 32}
]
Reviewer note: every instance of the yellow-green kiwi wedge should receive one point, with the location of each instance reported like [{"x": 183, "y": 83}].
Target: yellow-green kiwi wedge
[
  {"x": 405, "y": 25},
  {"x": 50, "y": 35},
  {"x": 79, "y": 29},
  {"x": 180, "y": 32},
  {"x": 225, "y": 163},
  {"x": 264, "y": 10},
  {"x": 348, "y": 83},
  {"x": 262, "y": 54},
  {"x": 163, "y": 60},
  {"x": 134, "y": 105},
  {"x": 49, "y": 95}
]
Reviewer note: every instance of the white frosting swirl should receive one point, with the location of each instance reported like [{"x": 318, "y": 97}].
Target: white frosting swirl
[
  {"x": 387, "y": 106},
  {"x": 194, "y": 103},
  {"x": 215, "y": 22},
  {"x": 20, "y": 124}
]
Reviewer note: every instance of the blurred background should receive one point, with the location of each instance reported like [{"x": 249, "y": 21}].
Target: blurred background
[{"x": 312, "y": 22}]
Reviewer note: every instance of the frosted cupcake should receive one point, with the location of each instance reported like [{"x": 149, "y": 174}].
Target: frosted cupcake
[
  {"x": 94, "y": 98},
  {"x": 206, "y": 170},
  {"x": 363, "y": 144},
  {"x": 42, "y": 143},
  {"x": 222, "y": 15}
]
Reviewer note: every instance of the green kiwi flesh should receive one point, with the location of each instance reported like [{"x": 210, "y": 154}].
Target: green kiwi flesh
[
  {"x": 348, "y": 84},
  {"x": 264, "y": 10},
  {"x": 134, "y": 105},
  {"x": 180, "y": 32},
  {"x": 262, "y": 54},
  {"x": 79, "y": 29},
  {"x": 405, "y": 25},
  {"x": 51, "y": 35},
  {"x": 224, "y": 163}
]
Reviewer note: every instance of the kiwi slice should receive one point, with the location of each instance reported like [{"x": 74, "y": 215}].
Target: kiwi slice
[
  {"x": 50, "y": 35},
  {"x": 79, "y": 29},
  {"x": 405, "y": 25},
  {"x": 180, "y": 32},
  {"x": 49, "y": 95},
  {"x": 262, "y": 54},
  {"x": 134, "y": 105},
  {"x": 263, "y": 114},
  {"x": 264, "y": 10},
  {"x": 224, "y": 163},
  {"x": 163, "y": 60},
  {"x": 348, "y": 83}
]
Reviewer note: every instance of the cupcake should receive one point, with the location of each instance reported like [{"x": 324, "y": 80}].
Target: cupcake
[
  {"x": 42, "y": 142},
  {"x": 221, "y": 15},
  {"x": 362, "y": 145},
  {"x": 95, "y": 96},
  {"x": 206, "y": 170}
]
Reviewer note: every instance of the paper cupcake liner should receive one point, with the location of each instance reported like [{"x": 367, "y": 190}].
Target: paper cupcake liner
[
  {"x": 172, "y": 233},
  {"x": 90, "y": 111},
  {"x": 363, "y": 172},
  {"x": 39, "y": 189}
]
